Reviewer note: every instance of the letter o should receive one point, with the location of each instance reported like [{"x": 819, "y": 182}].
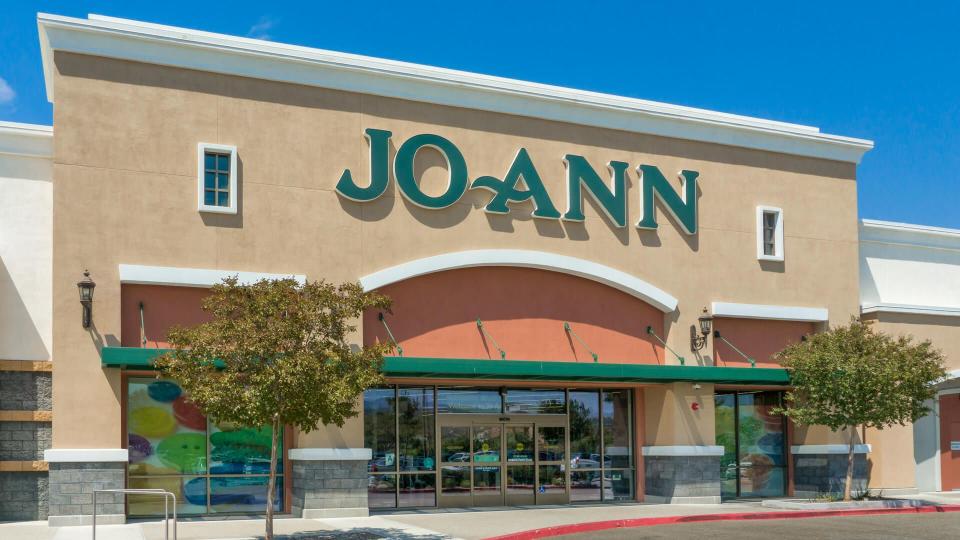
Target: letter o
[{"x": 406, "y": 179}]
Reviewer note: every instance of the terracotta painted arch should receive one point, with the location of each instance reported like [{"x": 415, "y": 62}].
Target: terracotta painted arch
[
  {"x": 519, "y": 258},
  {"x": 523, "y": 310}
]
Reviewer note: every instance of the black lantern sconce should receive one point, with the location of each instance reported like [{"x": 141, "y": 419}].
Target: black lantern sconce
[
  {"x": 86, "y": 286},
  {"x": 698, "y": 342}
]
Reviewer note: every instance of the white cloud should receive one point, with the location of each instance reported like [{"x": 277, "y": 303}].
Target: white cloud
[
  {"x": 261, "y": 30},
  {"x": 7, "y": 94}
]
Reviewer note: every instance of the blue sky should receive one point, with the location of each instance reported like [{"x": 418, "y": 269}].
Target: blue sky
[{"x": 874, "y": 70}]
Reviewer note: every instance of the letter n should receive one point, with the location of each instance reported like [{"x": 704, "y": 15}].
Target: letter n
[
  {"x": 683, "y": 207},
  {"x": 612, "y": 200}
]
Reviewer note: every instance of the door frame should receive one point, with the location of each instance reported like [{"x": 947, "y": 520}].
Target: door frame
[
  {"x": 534, "y": 421},
  {"x": 736, "y": 438}
]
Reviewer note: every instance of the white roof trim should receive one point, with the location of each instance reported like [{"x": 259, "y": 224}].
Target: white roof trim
[
  {"x": 908, "y": 234},
  {"x": 206, "y": 51},
  {"x": 907, "y": 308},
  {"x": 27, "y": 140},
  {"x": 829, "y": 449},
  {"x": 679, "y": 450},
  {"x": 909, "y": 227},
  {"x": 85, "y": 455},
  {"x": 524, "y": 259},
  {"x": 776, "y": 313},
  {"x": 191, "y": 277}
]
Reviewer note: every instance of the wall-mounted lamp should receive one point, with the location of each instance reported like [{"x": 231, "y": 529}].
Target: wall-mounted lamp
[
  {"x": 706, "y": 323},
  {"x": 86, "y": 286}
]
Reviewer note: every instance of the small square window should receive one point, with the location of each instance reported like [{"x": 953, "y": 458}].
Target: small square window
[
  {"x": 217, "y": 178},
  {"x": 769, "y": 233}
]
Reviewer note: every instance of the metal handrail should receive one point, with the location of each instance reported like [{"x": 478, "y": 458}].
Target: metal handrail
[{"x": 151, "y": 491}]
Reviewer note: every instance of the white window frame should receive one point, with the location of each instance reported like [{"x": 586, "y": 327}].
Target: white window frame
[
  {"x": 777, "y": 234},
  {"x": 203, "y": 148}
]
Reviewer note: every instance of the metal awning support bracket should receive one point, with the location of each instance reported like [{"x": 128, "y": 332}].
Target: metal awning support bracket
[
  {"x": 716, "y": 335},
  {"x": 383, "y": 321},
  {"x": 503, "y": 354},
  {"x": 569, "y": 330},
  {"x": 665, "y": 346}
]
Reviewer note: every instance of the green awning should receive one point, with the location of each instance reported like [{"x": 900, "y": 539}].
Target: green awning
[{"x": 520, "y": 370}]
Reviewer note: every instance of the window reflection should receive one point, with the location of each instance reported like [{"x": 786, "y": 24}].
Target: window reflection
[
  {"x": 455, "y": 444},
  {"x": 416, "y": 422},
  {"x": 536, "y": 401},
  {"x": 519, "y": 443},
  {"x": 382, "y": 490},
  {"x": 551, "y": 443},
  {"x": 584, "y": 429},
  {"x": 418, "y": 490},
  {"x": 486, "y": 443},
  {"x": 616, "y": 428},
  {"x": 469, "y": 400},
  {"x": 379, "y": 428}
]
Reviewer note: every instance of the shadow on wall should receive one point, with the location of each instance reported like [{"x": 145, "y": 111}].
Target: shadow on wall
[{"x": 19, "y": 337}]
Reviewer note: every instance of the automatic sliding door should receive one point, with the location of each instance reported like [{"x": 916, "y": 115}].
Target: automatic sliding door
[
  {"x": 519, "y": 449},
  {"x": 455, "y": 472},
  {"x": 552, "y": 464},
  {"x": 487, "y": 465}
]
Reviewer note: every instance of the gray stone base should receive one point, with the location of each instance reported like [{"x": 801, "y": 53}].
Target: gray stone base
[
  {"x": 71, "y": 521},
  {"x": 329, "y": 488},
  {"x": 323, "y": 513},
  {"x": 71, "y": 491},
  {"x": 23, "y": 496},
  {"x": 654, "y": 499},
  {"x": 826, "y": 473},
  {"x": 682, "y": 479}
]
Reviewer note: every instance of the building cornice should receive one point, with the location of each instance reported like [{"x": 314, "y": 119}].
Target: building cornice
[
  {"x": 941, "y": 311},
  {"x": 27, "y": 140},
  {"x": 205, "y": 51},
  {"x": 908, "y": 234}
]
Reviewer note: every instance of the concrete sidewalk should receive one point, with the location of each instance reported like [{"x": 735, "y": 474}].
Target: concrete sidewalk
[{"x": 432, "y": 524}]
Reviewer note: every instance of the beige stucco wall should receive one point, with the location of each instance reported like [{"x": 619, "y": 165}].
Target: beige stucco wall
[
  {"x": 943, "y": 332},
  {"x": 125, "y": 192},
  {"x": 670, "y": 419},
  {"x": 894, "y": 447}
]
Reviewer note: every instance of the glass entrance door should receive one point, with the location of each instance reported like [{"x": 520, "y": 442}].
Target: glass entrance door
[
  {"x": 754, "y": 444},
  {"x": 490, "y": 462}
]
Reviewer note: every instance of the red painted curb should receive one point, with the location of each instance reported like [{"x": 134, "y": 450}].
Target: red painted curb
[{"x": 575, "y": 528}]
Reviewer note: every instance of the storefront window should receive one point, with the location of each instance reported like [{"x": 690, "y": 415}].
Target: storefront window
[
  {"x": 616, "y": 428},
  {"x": 754, "y": 443},
  {"x": 380, "y": 428},
  {"x": 476, "y": 444},
  {"x": 220, "y": 468},
  {"x": 416, "y": 424},
  {"x": 536, "y": 401},
  {"x": 601, "y": 447},
  {"x": 469, "y": 400},
  {"x": 584, "y": 429},
  {"x": 418, "y": 490}
]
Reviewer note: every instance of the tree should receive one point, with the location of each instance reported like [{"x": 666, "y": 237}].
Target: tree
[
  {"x": 852, "y": 376},
  {"x": 275, "y": 353}
]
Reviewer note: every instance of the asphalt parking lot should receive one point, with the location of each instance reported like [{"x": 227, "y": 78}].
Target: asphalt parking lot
[{"x": 897, "y": 526}]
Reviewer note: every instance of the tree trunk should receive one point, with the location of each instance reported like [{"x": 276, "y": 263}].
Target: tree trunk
[
  {"x": 272, "y": 482},
  {"x": 847, "y": 486}
]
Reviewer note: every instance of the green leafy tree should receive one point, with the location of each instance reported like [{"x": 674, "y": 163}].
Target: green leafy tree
[
  {"x": 276, "y": 353},
  {"x": 852, "y": 376}
]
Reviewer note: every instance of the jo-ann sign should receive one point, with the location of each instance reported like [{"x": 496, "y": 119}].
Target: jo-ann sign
[{"x": 581, "y": 177}]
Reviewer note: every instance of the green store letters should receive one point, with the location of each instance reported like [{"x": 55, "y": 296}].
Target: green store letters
[{"x": 581, "y": 178}]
